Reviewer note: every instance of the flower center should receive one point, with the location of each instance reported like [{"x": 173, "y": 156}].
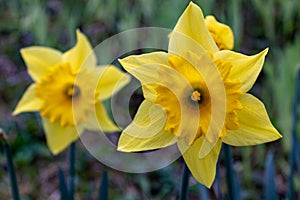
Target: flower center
[
  {"x": 196, "y": 96},
  {"x": 72, "y": 91},
  {"x": 62, "y": 90}
]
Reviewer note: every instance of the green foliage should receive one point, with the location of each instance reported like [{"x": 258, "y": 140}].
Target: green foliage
[
  {"x": 269, "y": 185},
  {"x": 281, "y": 73}
]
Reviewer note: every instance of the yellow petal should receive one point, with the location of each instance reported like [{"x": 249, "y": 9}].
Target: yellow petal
[
  {"x": 39, "y": 59},
  {"x": 202, "y": 169},
  {"x": 111, "y": 80},
  {"x": 132, "y": 62},
  {"x": 144, "y": 68},
  {"x": 82, "y": 54},
  {"x": 254, "y": 124},
  {"x": 146, "y": 132},
  {"x": 29, "y": 102},
  {"x": 99, "y": 120},
  {"x": 191, "y": 26},
  {"x": 244, "y": 68},
  {"x": 58, "y": 137},
  {"x": 221, "y": 33}
]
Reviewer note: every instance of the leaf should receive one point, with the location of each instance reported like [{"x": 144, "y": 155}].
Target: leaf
[
  {"x": 269, "y": 185},
  {"x": 90, "y": 191},
  {"x": 231, "y": 179},
  {"x": 103, "y": 190}
]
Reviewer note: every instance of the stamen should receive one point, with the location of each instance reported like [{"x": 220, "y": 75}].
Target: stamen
[
  {"x": 196, "y": 96},
  {"x": 72, "y": 91}
]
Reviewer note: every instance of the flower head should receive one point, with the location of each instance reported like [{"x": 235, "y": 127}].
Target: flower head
[
  {"x": 196, "y": 96},
  {"x": 67, "y": 91}
]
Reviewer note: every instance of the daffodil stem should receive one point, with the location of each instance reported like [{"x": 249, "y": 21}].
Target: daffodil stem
[
  {"x": 229, "y": 173},
  {"x": 295, "y": 147},
  {"x": 10, "y": 166},
  {"x": 184, "y": 183},
  {"x": 72, "y": 170}
]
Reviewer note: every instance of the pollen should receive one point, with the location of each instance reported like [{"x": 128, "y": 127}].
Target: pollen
[{"x": 196, "y": 96}]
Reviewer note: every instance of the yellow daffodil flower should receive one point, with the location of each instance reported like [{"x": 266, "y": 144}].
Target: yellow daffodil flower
[
  {"x": 196, "y": 96},
  {"x": 67, "y": 88}
]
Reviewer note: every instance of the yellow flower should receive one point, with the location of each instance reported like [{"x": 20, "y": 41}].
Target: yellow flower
[
  {"x": 67, "y": 88},
  {"x": 196, "y": 96}
]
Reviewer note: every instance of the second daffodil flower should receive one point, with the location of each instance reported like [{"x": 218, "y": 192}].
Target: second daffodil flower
[
  {"x": 196, "y": 96},
  {"x": 68, "y": 91}
]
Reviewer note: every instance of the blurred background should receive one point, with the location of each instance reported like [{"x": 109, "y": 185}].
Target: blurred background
[{"x": 256, "y": 25}]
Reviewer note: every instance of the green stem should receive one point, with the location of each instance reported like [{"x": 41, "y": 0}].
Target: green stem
[
  {"x": 229, "y": 173},
  {"x": 184, "y": 183},
  {"x": 10, "y": 167},
  {"x": 72, "y": 170}
]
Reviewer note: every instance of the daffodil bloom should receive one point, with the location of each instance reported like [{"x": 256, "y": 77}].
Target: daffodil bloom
[
  {"x": 196, "y": 96},
  {"x": 68, "y": 91}
]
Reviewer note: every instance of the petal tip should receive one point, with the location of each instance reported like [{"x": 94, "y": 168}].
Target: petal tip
[
  {"x": 80, "y": 35},
  {"x": 209, "y": 184},
  {"x": 23, "y": 51},
  {"x": 279, "y": 136},
  {"x": 203, "y": 154},
  {"x": 192, "y": 4},
  {"x": 15, "y": 112},
  {"x": 265, "y": 51},
  {"x": 78, "y": 30},
  {"x": 54, "y": 152},
  {"x": 120, "y": 148}
]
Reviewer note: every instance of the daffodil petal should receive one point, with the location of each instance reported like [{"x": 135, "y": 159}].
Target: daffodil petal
[
  {"x": 58, "y": 137},
  {"x": 244, "y": 68},
  {"x": 111, "y": 80},
  {"x": 191, "y": 27},
  {"x": 208, "y": 144},
  {"x": 131, "y": 63},
  {"x": 39, "y": 59},
  {"x": 202, "y": 169},
  {"x": 144, "y": 68},
  {"x": 146, "y": 132},
  {"x": 82, "y": 54},
  {"x": 29, "y": 102},
  {"x": 254, "y": 124},
  {"x": 99, "y": 120}
]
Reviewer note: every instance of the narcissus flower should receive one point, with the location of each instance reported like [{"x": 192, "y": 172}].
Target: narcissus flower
[
  {"x": 196, "y": 96},
  {"x": 68, "y": 91}
]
